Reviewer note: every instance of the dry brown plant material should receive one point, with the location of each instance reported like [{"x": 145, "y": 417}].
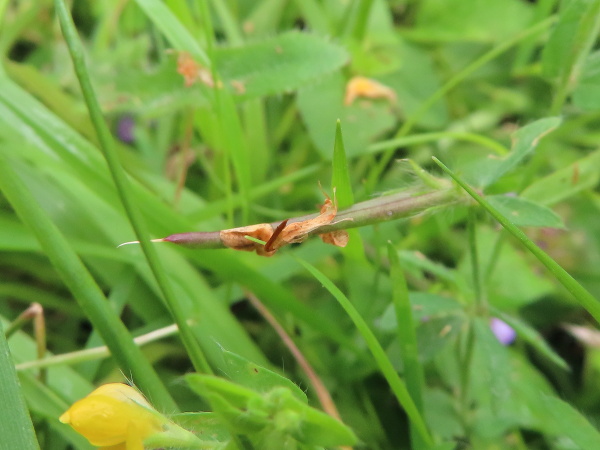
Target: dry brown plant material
[
  {"x": 367, "y": 88},
  {"x": 235, "y": 238},
  {"x": 193, "y": 71},
  {"x": 338, "y": 238}
]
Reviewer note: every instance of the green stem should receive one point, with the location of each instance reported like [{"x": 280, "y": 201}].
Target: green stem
[
  {"x": 484, "y": 141},
  {"x": 94, "y": 353},
  {"x": 389, "y": 207},
  {"x": 123, "y": 188}
]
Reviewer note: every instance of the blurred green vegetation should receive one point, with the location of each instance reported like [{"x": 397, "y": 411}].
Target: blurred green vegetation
[{"x": 223, "y": 113}]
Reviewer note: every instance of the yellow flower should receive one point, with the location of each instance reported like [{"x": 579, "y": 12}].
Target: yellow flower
[{"x": 115, "y": 415}]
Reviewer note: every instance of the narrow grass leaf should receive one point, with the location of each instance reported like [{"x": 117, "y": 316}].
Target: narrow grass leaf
[
  {"x": 123, "y": 187},
  {"x": 16, "y": 427},
  {"x": 175, "y": 32},
  {"x": 84, "y": 288},
  {"x": 407, "y": 338},
  {"x": 340, "y": 181},
  {"x": 387, "y": 369},
  {"x": 587, "y": 300}
]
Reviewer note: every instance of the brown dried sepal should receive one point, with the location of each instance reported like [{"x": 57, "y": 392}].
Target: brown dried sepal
[
  {"x": 235, "y": 238},
  {"x": 298, "y": 231},
  {"x": 193, "y": 71},
  {"x": 338, "y": 238}
]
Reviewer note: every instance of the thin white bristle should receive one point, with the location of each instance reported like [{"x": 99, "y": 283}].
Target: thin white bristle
[
  {"x": 127, "y": 243},
  {"x": 137, "y": 242}
]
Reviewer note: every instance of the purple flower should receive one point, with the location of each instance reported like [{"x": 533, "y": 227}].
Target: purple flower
[
  {"x": 125, "y": 127},
  {"x": 503, "y": 331}
]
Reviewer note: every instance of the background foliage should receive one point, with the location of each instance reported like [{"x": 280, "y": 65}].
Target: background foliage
[{"x": 504, "y": 92}]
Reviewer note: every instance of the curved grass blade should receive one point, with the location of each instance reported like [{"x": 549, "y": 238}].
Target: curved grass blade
[
  {"x": 15, "y": 424},
  {"x": 407, "y": 338},
  {"x": 587, "y": 300},
  {"x": 123, "y": 188},
  {"x": 385, "y": 366}
]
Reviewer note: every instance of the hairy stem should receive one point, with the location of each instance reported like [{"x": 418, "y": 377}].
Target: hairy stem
[{"x": 389, "y": 207}]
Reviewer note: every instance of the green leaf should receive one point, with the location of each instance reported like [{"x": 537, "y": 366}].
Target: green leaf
[
  {"x": 205, "y": 424},
  {"x": 322, "y": 104},
  {"x": 491, "y": 365},
  {"x": 523, "y": 212},
  {"x": 14, "y": 417},
  {"x": 569, "y": 44},
  {"x": 561, "y": 419},
  {"x": 525, "y": 140},
  {"x": 434, "y": 334},
  {"x": 280, "y": 64},
  {"x": 407, "y": 338},
  {"x": 566, "y": 181},
  {"x": 425, "y": 306},
  {"x": 587, "y": 93},
  {"x": 569, "y": 37},
  {"x": 256, "y": 377},
  {"x": 490, "y": 20}
]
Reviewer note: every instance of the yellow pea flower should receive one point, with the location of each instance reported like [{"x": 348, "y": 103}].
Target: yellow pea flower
[{"x": 117, "y": 416}]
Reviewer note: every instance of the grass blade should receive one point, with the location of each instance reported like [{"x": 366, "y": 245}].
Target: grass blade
[
  {"x": 122, "y": 184},
  {"x": 16, "y": 427},
  {"x": 407, "y": 338},
  {"x": 581, "y": 294},
  {"x": 384, "y": 364},
  {"x": 175, "y": 32},
  {"x": 340, "y": 181}
]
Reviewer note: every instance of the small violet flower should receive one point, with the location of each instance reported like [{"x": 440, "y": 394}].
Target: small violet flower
[
  {"x": 503, "y": 331},
  {"x": 125, "y": 127}
]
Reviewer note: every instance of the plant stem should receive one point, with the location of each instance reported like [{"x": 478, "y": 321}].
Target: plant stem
[
  {"x": 94, "y": 353},
  {"x": 389, "y": 207}
]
